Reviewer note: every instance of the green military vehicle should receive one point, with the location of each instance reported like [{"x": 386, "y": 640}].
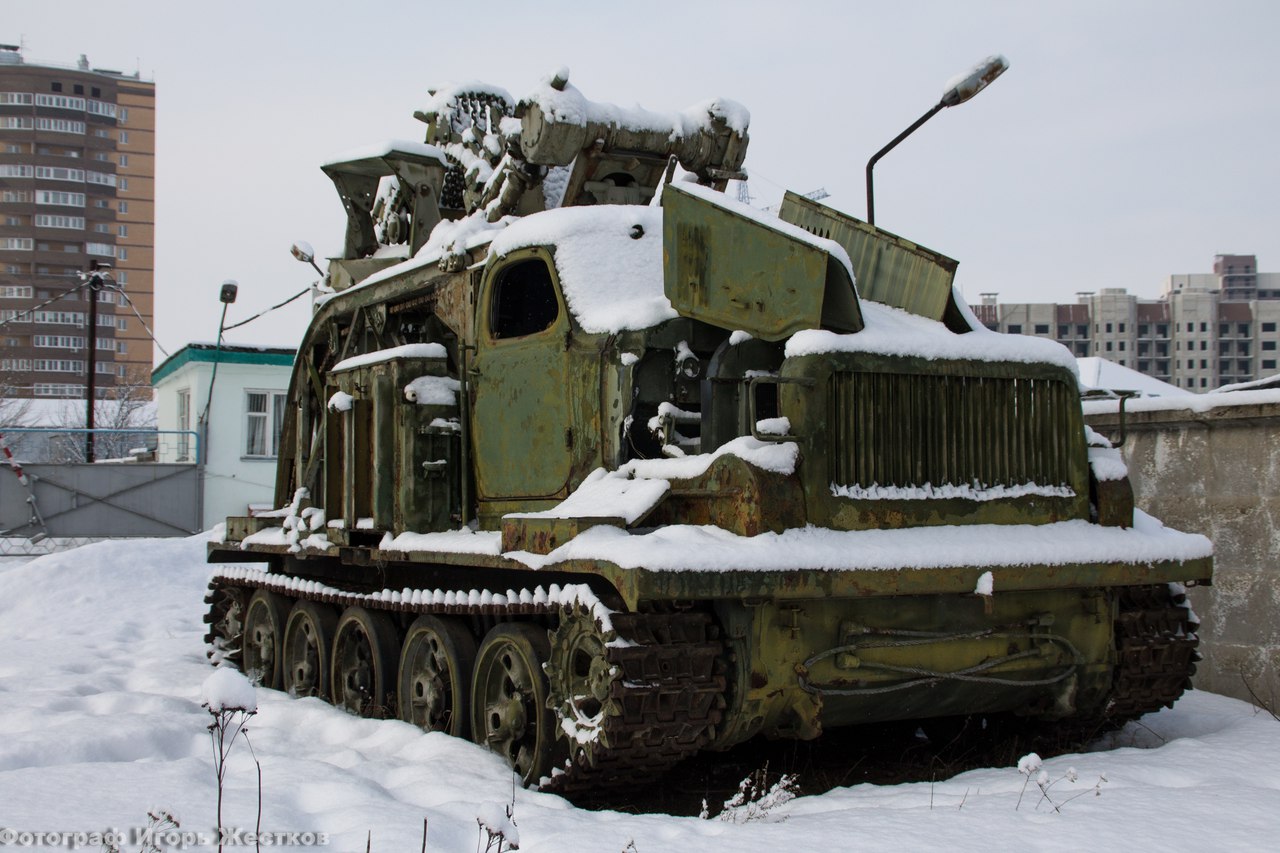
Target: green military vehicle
[{"x": 594, "y": 465}]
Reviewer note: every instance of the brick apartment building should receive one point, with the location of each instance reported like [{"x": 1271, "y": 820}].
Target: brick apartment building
[{"x": 77, "y": 185}]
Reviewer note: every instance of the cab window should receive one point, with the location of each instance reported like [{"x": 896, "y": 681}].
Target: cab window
[{"x": 523, "y": 301}]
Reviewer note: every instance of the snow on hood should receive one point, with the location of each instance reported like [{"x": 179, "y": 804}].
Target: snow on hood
[
  {"x": 892, "y": 331},
  {"x": 609, "y": 259}
]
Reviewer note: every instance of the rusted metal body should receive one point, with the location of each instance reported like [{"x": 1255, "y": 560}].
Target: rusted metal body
[{"x": 494, "y": 476}]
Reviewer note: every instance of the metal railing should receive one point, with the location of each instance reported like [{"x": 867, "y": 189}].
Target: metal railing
[{"x": 63, "y": 444}]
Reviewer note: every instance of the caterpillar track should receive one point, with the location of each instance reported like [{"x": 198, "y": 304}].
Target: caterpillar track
[
  {"x": 1156, "y": 651},
  {"x": 660, "y": 703}
]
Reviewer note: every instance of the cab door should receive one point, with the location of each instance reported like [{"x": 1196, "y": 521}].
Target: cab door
[{"x": 520, "y": 383}]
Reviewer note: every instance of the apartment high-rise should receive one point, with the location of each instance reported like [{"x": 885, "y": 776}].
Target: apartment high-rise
[
  {"x": 77, "y": 185},
  {"x": 1205, "y": 331}
]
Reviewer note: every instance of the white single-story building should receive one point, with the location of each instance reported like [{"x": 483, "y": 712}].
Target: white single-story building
[{"x": 244, "y": 412}]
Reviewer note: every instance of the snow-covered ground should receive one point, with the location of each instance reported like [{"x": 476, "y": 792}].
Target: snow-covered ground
[{"x": 101, "y": 668}]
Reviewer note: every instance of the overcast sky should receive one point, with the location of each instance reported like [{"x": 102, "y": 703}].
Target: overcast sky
[{"x": 1127, "y": 141}]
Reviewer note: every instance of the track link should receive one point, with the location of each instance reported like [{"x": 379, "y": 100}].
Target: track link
[
  {"x": 1156, "y": 651},
  {"x": 665, "y": 701}
]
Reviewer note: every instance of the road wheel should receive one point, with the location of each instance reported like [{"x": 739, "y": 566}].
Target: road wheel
[
  {"x": 435, "y": 675},
  {"x": 264, "y": 624},
  {"x": 308, "y": 636},
  {"x": 364, "y": 663},
  {"x": 509, "y": 712}
]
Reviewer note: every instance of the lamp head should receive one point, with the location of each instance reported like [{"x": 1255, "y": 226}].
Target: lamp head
[{"x": 961, "y": 89}]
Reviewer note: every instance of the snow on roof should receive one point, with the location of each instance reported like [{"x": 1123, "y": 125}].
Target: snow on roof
[
  {"x": 1106, "y": 375},
  {"x": 609, "y": 259},
  {"x": 569, "y": 106},
  {"x": 892, "y": 331},
  {"x": 708, "y": 548},
  {"x": 387, "y": 148}
]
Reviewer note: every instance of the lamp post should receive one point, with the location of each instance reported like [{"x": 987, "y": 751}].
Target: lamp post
[
  {"x": 97, "y": 272},
  {"x": 968, "y": 86},
  {"x": 227, "y": 295}
]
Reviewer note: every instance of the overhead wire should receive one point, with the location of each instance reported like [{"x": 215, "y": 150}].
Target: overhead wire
[
  {"x": 268, "y": 310},
  {"x": 33, "y": 309}
]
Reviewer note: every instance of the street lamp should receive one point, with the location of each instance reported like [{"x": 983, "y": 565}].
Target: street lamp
[
  {"x": 958, "y": 92},
  {"x": 227, "y": 296},
  {"x": 302, "y": 251},
  {"x": 99, "y": 274}
]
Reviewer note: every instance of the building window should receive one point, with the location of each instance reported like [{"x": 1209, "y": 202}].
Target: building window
[
  {"x": 1122, "y": 348},
  {"x": 59, "y": 125},
  {"x": 1063, "y": 330},
  {"x": 1204, "y": 383},
  {"x": 60, "y": 198},
  {"x": 1269, "y": 346},
  {"x": 124, "y": 183},
  {"x": 122, "y": 230},
  {"x": 1014, "y": 328},
  {"x": 1042, "y": 329},
  {"x": 16, "y": 244},
  {"x": 1082, "y": 331},
  {"x": 124, "y": 159},
  {"x": 1108, "y": 346},
  {"x": 264, "y": 415},
  {"x": 122, "y": 207},
  {"x": 1204, "y": 327},
  {"x": 1268, "y": 327},
  {"x": 1224, "y": 329},
  {"x": 22, "y": 291},
  {"x": 1121, "y": 328},
  {"x": 1108, "y": 328},
  {"x": 124, "y": 137},
  {"x": 1268, "y": 364},
  {"x": 1244, "y": 329}
]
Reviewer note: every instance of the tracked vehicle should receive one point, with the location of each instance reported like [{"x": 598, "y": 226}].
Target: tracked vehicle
[{"x": 588, "y": 462}]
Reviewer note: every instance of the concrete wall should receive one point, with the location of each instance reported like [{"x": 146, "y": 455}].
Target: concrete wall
[{"x": 1217, "y": 472}]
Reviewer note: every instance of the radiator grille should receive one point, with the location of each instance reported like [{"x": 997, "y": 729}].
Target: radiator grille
[{"x": 906, "y": 430}]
